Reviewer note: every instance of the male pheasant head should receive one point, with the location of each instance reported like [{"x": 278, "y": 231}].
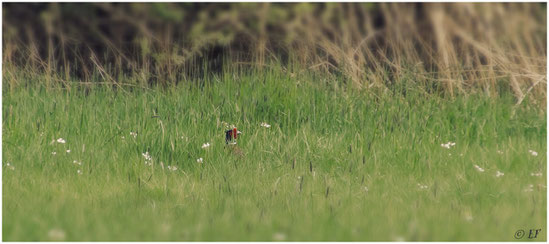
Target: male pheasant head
[{"x": 231, "y": 135}]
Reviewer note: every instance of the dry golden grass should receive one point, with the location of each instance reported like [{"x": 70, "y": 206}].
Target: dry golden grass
[
  {"x": 454, "y": 48},
  {"x": 461, "y": 47}
]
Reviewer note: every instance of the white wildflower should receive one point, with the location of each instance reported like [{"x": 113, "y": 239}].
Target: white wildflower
[
  {"x": 366, "y": 189},
  {"x": 77, "y": 162},
  {"x": 448, "y": 144},
  {"x": 172, "y": 168},
  {"x": 279, "y": 236},
  {"x": 499, "y": 174},
  {"x": 68, "y": 151},
  {"x": 500, "y": 152},
  {"x": 61, "y": 140},
  {"x": 533, "y": 153},
  {"x": 134, "y": 134},
  {"x": 10, "y": 166},
  {"x": 147, "y": 156},
  {"x": 529, "y": 188},
  {"x": 265, "y": 125},
  {"x": 79, "y": 172},
  {"x": 56, "y": 234},
  {"x": 200, "y": 160},
  {"x": 422, "y": 187},
  {"x": 479, "y": 168},
  {"x": 53, "y": 153},
  {"x": 539, "y": 174},
  {"x": 206, "y": 145}
]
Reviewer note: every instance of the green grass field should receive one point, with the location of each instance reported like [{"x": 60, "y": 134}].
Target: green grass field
[{"x": 335, "y": 165}]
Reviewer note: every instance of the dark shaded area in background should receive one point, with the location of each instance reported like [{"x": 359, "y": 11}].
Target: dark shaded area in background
[
  {"x": 190, "y": 31},
  {"x": 466, "y": 46}
]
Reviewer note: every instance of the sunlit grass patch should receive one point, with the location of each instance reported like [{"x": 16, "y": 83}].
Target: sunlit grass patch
[{"x": 317, "y": 163}]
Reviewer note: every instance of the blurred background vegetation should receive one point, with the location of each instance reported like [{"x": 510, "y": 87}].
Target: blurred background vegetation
[{"x": 448, "y": 48}]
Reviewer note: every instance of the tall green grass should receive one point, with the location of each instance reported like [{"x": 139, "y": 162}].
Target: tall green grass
[{"x": 336, "y": 163}]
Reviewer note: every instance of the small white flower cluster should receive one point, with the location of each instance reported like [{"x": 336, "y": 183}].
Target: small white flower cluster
[
  {"x": 448, "y": 145},
  {"x": 500, "y": 152},
  {"x": 60, "y": 141},
  {"x": 529, "y": 188},
  {"x": 479, "y": 168},
  {"x": 366, "y": 189},
  {"x": 10, "y": 166},
  {"x": 172, "y": 168},
  {"x": 148, "y": 158},
  {"x": 422, "y": 187},
  {"x": 538, "y": 174},
  {"x": 265, "y": 125},
  {"x": 533, "y": 153},
  {"x": 499, "y": 174},
  {"x": 134, "y": 134},
  {"x": 206, "y": 145},
  {"x": 200, "y": 160},
  {"x": 56, "y": 234}
]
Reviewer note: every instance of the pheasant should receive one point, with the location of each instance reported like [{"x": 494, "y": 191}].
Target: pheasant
[{"x": 230, "y": 139}]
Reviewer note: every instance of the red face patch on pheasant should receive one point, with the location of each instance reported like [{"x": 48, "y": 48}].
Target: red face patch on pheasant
[{"x": 231, "y": 135}]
